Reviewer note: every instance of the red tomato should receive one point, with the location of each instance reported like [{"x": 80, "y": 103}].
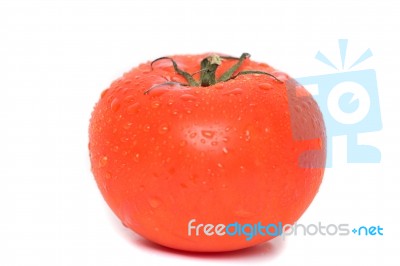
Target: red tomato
[{"x": 237, "y": 142}]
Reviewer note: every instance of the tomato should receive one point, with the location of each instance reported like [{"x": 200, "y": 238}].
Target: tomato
[{"x": 207, "y": 137}]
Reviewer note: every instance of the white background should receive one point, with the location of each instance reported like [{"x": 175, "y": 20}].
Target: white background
[{"x": 57, "y": 56}]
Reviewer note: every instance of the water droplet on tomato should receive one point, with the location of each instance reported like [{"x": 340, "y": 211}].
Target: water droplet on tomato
[
  {"x": 203, "y": 141},
  {"x": 163, "y": 129},
  {"x": 129, "y": 98},
  {"x": 220, "y": 165},
  {"x": 136, "y": 157},
  {"x": 193, "y": 135},
  {"x": 108, "y": 175},
  {"x": 146, "y": 128},
  {"x": 128, "y": 125},
  {"x": 124, "y": 139},
  {"x": 155, "y": 104},
  {"x": 154, "y": 202},
  {"x": 225, "y": 150},
  {"x": 103, "y": 161},
  {"x": 132, "y": 109},
  {"x": 214, "y": 143},
  {"x": 265, "y": 86},
  {"x": 115, "y": 148},
  {"x": 115, "y": 105},
  {"x": 208, "y": 133},
  {"x": 235, "y": 91},
  {"x": 183, "y": 143},
  {"x": 188, "y": 97},
  {"x": 158, "y": 91},
  {"x": 247, "y": 135}
]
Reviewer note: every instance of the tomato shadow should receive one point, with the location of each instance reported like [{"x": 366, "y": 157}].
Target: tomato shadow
[{"x": 263, "y": 252}]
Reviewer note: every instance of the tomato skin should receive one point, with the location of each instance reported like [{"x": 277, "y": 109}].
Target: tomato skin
[{"x": 219, "y": 154}]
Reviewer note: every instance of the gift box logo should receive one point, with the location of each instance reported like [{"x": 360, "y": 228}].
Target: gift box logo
[{"x": 349, "y": 102}]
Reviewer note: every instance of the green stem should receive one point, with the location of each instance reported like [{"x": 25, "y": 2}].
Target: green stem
[
  {"x": 228, "y": 74},
  {"x": 208, "y": 68},
  {"x": 186, "y": 75}
]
